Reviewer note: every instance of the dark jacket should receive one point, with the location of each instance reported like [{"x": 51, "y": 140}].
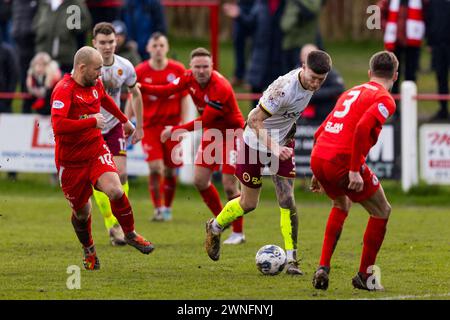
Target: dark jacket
[
  {"x": 23, "y": 12},
  {"x": 143, "y": 17},
  {"x": 266, "y": 56},
  {"x": 52, "y": 34},
  {"x": 438, "y": 22},
  {"x": 9, "y": 74}
]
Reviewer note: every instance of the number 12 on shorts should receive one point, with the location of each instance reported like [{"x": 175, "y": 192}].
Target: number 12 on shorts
[{"x": 106, "y": 159}]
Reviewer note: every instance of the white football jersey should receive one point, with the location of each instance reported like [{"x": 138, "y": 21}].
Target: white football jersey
[
  {"x": 113, "y": 77},
  {"x": 285, "y": 100}
]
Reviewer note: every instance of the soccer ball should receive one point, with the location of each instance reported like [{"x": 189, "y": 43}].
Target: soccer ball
[{"x": 270, "y": 260}]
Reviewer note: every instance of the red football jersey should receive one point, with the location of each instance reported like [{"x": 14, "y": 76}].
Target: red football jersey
[
  {"x": 218, "y": 95},
  {"x": 77, "y": 139},
  {"x": 161, "y": 110},
  {"x": 336, "y": 134}
]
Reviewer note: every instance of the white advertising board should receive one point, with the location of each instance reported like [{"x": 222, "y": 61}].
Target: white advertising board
[{"x": 435, "y": 153}]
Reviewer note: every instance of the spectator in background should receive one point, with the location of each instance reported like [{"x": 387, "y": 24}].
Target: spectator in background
[
  {"x": 125, "y": 48},
  {"x": 324, "y": 99},
  {"x": 300, "y": 25},
  {"x": 23, "y": 12},
  {"x": 42, "y": 77},
  {"x": 143, "y": 18},
  {"x": 438, "y": 39},
  {"x": 241, "y": 34},
  {"x": 105, "y": 10},
  {"x": 266, "y": 56},
  {"x": 9, "y": 74},
  {"x": 5, "y": 18},
  {"x": 403, "y": 24},
  {"x": 53, "y": 34}
]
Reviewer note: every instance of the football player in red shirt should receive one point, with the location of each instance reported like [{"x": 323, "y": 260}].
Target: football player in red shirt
[
  {"x": 215, "y": 101},
  {"x": 338, "y": 163},
  {"x": 82, "y": 158},
  {"x": 159, "y": 113}
]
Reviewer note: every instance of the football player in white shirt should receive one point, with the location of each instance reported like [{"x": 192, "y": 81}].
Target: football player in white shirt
[
  {"x": 116, "y": 71},
  {"x": 269, "y": 139}
]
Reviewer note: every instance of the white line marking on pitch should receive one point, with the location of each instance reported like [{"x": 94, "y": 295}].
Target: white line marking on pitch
[{"x": 408, "y": 297}]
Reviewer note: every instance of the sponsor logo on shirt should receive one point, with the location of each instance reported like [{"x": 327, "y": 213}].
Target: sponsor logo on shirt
[
  {"x": 383, "y": 110},
  {"x": 176, "y": 81},
  {"x": 148, "y": 80},
  {"x": 57, "y": 104},
  {"x": 171, "y": 77},
  {"x": 120, "y": 72},
  {"x": 374, "y": 180}
]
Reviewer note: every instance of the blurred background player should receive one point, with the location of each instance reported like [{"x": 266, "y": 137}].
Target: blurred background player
[
  {"x": 116, "y": 71},
  {"x": 216, "y": 102},
  {"x": 158, "y": 113},
  {"x": 338, "y": 163},
  {"x": 269, "y": 134},
  {"x": 82, "y": 158}
]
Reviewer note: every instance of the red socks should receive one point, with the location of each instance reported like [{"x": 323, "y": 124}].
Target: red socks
[
  {"x": 154, "y": 187},
  {"x": 373, "y": 238},
  {"x": 121, "y": 209},
  {"x": 332, "y": 233},
  {"x": 83, "y": 230},
  {"x": 170, "y": 184},
  {"x": 212, "y": 199}
]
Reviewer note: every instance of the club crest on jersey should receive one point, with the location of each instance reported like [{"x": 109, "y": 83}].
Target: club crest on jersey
[
  {"x": 383, "y": 110},
  {"x": 95, "y": 93},
  {"x": 57, "y": 104},
  {"x": 120, "y": 72},
  {"x": 170, "y": 77},
  {"x": 374, "y": 180}
]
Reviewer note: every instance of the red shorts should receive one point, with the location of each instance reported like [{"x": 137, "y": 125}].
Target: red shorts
[
  {"x": 334, "y": 179},
  {"x": 115, "y": 139},
  {"x": 169, "y": 151},
  {"x": 213, "y": 154},
  {"x": 251, "y": 164},
  {"x": 77, "y": 182}
]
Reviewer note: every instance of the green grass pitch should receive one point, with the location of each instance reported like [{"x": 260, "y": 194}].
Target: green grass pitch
[{"x": 38, "y": 245}]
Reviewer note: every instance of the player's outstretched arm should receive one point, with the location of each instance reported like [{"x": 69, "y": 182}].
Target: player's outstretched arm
[{"x": 164, "y": 91}]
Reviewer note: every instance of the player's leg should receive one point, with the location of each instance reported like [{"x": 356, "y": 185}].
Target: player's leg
[
  {"x": 339, "y": 211},
  {"x": 117, "y": 145},
  {"x": 173, "y": 159},
  {"x": 156, "y": 168},
  {"x": 77, "y": 189},
  {"x": 209, "y": 193},
  {"x": 284, "y": 188},
  {"x": 234, "y": 209},
  {"x": 109, "y": 183},
  {"x": 230, "y": 185},
  {"x": 169, "y": 186},
  {"x": 81, "y": 222},
  {"x": 379, "y": 209}
]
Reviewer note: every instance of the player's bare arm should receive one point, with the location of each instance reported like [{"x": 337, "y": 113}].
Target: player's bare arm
[
  {"x": 137, "y": 110},
  {"x": 255, "y": 122}
]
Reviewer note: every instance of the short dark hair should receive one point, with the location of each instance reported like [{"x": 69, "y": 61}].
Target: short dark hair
[
  {"x": 105, "y": 28},
  {"x": 319, "y": 61},
  {"x": 384, "y": 64},
  {"x": 156, "y": 35},
  {"x": 200, "y": 52}
]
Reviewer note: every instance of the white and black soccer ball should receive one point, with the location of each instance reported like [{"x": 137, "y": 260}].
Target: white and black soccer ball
[{"x": 270, "y": 259}]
